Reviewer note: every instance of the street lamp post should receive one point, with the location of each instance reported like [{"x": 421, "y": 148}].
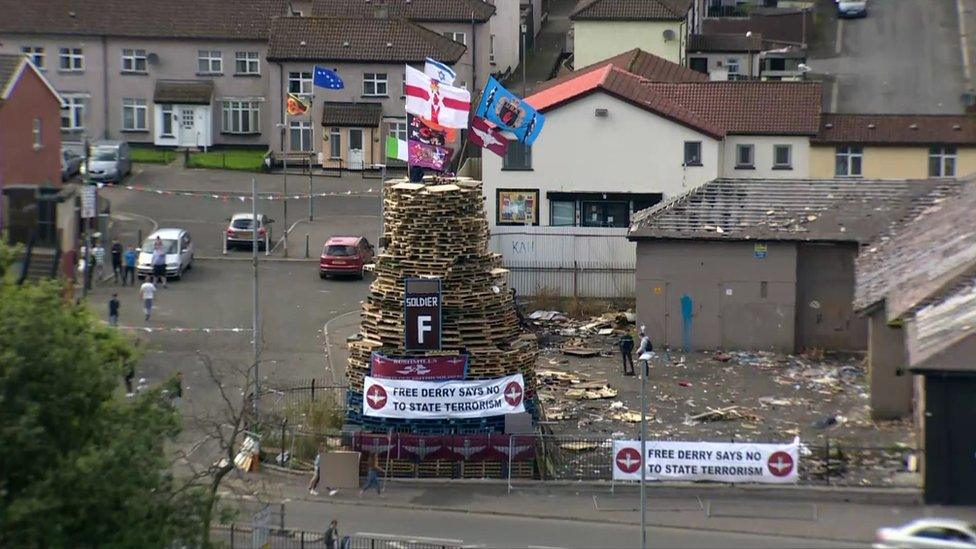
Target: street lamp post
[
  {"x": 525, "y": 56},
  {"x": 645, "y": 372}
]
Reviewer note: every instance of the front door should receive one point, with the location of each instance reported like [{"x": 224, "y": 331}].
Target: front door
[
  {"x": 188, "y": 134},
  {"x": 355, "y": 159}
]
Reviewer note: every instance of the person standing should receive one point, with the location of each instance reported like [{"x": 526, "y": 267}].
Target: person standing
[
  {"x": 113, "y": 310},
  {"x": 147, "y": 292},
  {"x": 159, "y": 262},
  {"x": 645, "y": 347},
  {"x": 130, "y": 266},
  {"x": 317, "y": 476},
  {"x": 332, "y": 535},
  {"x": 116, "y": 251},
  {"x": 626, "y": 345},
  {"x": 373, "y": 471},
  {"x": 130, "y": 374},
  {"x": 98, "y": 258}
]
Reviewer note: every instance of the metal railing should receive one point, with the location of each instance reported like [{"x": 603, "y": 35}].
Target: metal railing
[{"x": 238, "y": 536}]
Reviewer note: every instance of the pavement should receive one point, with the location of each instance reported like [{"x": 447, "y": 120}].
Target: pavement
[
  {"x": 545, "y": 53},
  {"x": 904, "y": 57}
]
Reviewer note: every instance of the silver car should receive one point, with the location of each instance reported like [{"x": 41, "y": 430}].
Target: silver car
[
  {"x": 70, "y": 164},
  {"x": 108, "y": 162},
  {"x": 178, "y": 247},
  {"x": 929, "y": 533}
]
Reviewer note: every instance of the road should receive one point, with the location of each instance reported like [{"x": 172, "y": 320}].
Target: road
[{"x": 904, "y": 57}]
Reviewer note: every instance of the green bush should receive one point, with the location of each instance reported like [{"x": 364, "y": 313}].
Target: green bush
[
  {"x": 152, "y": 155},
  {"x": 249, "y": 160}
]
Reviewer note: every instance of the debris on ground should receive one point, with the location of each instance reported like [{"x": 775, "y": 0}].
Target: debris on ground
[{"x": 729, "y": 413}]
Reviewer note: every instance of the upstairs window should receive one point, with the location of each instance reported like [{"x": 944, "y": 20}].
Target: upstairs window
[
  {"x": 71, "y": 59},
  {"x": 209, "y": 62},
  {"x": 744, "y": 157},
  {"x": 35, "y": 54},
  {"x": 848, "y": 161},
  {"x": 693, "y": 153},
  {"x": 517, "y": 157},
  {"x": 133, "y": 60},
  {"x": 942, "y": 161},
  {"x": 247, "y": 63},
  {"x": 374, "y": 84}
]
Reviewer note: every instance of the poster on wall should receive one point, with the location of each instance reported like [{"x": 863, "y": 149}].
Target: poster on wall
[
  {"x": 410, "y": 399},
  {"x": 518, "y": 206}
]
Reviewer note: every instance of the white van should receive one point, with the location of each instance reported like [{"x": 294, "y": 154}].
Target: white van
[{"x": 179, "y": 253}]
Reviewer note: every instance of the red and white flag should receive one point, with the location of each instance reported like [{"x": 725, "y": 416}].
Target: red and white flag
[
  {"x": 443, "y": 105},
  {"x": 487, "y": 137}
]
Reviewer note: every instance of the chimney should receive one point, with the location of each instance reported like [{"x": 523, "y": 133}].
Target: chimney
[{"x": 380, "y": 10}]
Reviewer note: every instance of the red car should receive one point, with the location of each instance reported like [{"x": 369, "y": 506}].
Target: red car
[{"x": 345, "y": 255}]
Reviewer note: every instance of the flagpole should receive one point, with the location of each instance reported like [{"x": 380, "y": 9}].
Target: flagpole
[
  {"x": 311, "y": 154},
  {"x": 464, "y": 145}
]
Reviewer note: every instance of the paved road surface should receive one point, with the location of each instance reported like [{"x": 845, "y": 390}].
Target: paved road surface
[{"x": 904, "y": 57}]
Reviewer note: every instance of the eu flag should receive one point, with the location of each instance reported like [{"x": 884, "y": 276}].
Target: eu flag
[{"x": 324, "y": 78}]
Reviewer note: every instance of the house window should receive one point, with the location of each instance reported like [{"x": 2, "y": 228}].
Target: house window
[
  {"x": 517, "y": 157},
  {"x": 71, "y": 59},
  {"x": 241, "y": 117},
  {"x": 491, "y": 48},
  {"x": 247, "y": 62},
  {"x": 374, "y": 83},
  {"x": 300, "y": 83},
  {"x": 300, "y": 136},
  {"x": 36, "y": 133},
  {"x": 942, "y": 161},
  {"x": 848, "y": 161},
  {"x": 133, "y": 60},
  {"x": 397, "y": 129},
  {"x": 562, "y": 213},
  {"x": 167, "y": 129},
  {"x": 693, "y": 156},
  {"x": 732, "y": 65},
  {"x": 782, "y": 157},
  {"x": 209, "y": 62},
  {"x": 744, "y": 157},
  {"x": 335, "y": 143},
  {"x": 36, "y": 55},
  {"x": 134, "y": 114},
  {"x": 604, "y": 214},
  {"x": 73, "y": 113},
  {"x": 456, "y": 36}
]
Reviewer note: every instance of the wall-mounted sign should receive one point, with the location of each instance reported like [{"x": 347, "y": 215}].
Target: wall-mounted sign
[
  {"x": 517, "y": 206},
  {"x": 422, "y": 314},
  {"x": 759, "y": 250},
  {"x": 88, "y": 201},
  {"x": 425, "y": 368}
]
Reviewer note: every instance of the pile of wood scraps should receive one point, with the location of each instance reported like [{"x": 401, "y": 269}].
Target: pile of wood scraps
[{"x": 729, "y": 413}]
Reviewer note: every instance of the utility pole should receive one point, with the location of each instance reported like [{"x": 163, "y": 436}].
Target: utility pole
[
  {"x": 87, "y": 275},
  {"x": 525, "y": 56},
  {"x": 382, "y": 187},
  {"x": 255, "y": 335},
  {"x": 284, "y": 173},
  {"x": 644, "y": 359},
  {"x": 310, "y": 181}
]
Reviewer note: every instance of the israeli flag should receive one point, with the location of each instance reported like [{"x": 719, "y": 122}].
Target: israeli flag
[{"x": 440, "y": 72}]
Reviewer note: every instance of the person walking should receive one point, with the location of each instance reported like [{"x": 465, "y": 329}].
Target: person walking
[
  {"x": 147, "y": 292},
  {"x": 130, "y": 374},
  {"x": 98, "y": 259},
  {"x": 645, "y": 347},
  {"x": 373, "y": 471},
  {"x": 332, "y": 535},
  {"x": 113, "y": 310},
  {"x": 116, "y": 251},
  {"x": 317, "y": 475},
  {"x": 626, "y": 345},
  {"x": 159, "y": 262},
  {"x": 130, "y": 266}
]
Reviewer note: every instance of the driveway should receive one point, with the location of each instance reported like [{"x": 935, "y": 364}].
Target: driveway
[{"x": 904, "y": 57}]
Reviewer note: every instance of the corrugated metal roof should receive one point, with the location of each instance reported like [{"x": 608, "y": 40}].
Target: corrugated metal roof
[
  {"x": 941, "y": 325},
  {"x": 833, "y": 210}
]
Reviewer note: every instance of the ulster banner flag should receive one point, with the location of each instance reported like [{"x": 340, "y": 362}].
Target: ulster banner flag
[
  {"x": 487, "y": 137},
  {"x": 429, "y": 99}
]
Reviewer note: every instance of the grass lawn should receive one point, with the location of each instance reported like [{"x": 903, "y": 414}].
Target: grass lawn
[
  {"x": 231, "y": 159},
  {"x": 152, "y": 155}
]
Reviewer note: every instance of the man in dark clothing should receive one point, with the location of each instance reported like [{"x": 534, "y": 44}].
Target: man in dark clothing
[
  {"x": 332, "y": 535},
  {"x": 626, "y": 352},
  {"x": 130, "y": 374},
  {"x": 113, "y": 310},
  {"x": 117, "y": 271}
]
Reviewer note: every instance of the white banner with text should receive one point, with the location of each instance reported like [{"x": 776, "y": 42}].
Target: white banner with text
[
  {"x": 410, "y": 399},
  {"x": 716, "y": 461}
]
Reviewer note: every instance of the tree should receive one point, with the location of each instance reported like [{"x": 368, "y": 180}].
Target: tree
[{"x": 81, "y": 465}]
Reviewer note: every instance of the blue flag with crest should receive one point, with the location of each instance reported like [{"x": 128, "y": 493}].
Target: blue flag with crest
[{"x": 510, "y": 113}]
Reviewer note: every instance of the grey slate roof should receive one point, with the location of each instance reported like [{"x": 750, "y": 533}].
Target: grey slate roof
[
  {"x": 942, "y": 324},
  {"x": 235, "y": 19},
  {"x": 785, "y": 209},
  {"x": 190, "y": 92},
  {"x": 358, "y": 40},
  {"x": 458, "y": 11},
  {"x": 341, "y": 113},
  {"x": 8, "y": 66},
  {"x": 921, "y": 257}
]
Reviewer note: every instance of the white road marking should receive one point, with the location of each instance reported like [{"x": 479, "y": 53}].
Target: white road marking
[{"x": 125, "y": 215}]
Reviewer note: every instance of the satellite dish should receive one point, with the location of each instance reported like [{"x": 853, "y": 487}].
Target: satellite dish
[
  {"x": 152, "y": 58},
  {"x": 668, "y": 35}
]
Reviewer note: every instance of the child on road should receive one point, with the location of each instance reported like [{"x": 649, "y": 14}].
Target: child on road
[{"x": 147, "y": 292}]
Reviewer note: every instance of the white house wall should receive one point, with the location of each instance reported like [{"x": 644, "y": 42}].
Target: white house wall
[
  {"x": 505, "y": 25},
  {"x": 763, "y": 157}
]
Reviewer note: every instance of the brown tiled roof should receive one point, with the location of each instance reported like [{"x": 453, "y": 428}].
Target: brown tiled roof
[
  {"x": 921, "y": 256},
  {"x": 751, "y": 107},
  {"x": 358, "y": 40},
  {"x": 706, "y": 43},
  {"x": 459, "y": 11},
  {"x": 897, "y": 129},
  {"x": 193, "y": 92},
  {"x": 631, "y": 10},
  {"x": 340, "y": 113},
  {"x": 8, "y": 66},
  {"x": 778, "y": 25},
  {"x": 942, "y": 324},
  {"x": 784, "y": 209},
  {"x": 637, "y": 61},
  {"x": 232, "y": 19}
]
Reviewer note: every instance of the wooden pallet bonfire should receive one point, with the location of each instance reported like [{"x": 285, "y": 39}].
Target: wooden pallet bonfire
[{"x": 438, "y": 229}]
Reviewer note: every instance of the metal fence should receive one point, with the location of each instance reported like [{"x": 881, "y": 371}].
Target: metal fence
[{"x": 237, "y": 536}]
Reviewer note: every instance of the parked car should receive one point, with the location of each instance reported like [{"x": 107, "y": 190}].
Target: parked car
[
  {"x": 345, "y": 255},
  {"x": 108, "y": 162},
  {"x": 928, "y": 533},
  {"x": 847, "y": 9},
  {"x": 179, "y": 253},
  {"x": 240, "y": 227},
  {"x": 70, "y": 164}
]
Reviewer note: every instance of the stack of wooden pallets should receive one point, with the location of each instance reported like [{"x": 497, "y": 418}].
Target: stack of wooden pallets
[{"x": 438, "y": 229}]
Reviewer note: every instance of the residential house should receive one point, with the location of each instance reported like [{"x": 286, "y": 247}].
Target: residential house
[
  {"x": 893, "y": 146},
  {"x": 782, "y": 26},
  {"x": 725, "y": 56},
  {"x": 349, "y": 126},
  {"x": 468, "y": 22},
  {"x": 30, "y": 151},
  {"x": 916, "y": 286},
  {"x": 181, "y": 72},
  {"x": 604, "y": 28},
  {"x": 764, "y": 264}
]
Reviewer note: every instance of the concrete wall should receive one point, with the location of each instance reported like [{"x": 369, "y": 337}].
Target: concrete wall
[
  {"x": 763, "y": 157},
  {"x": 825, "y": 292},
  {"x": 598, "y": 40},
  {"x": 738, "y": 300},
  {"x": 630, "y": 150},
  {"x": 21, "y": 163},
  {"x": 506, "y": 27},
  {"x": 891, "y": 382},
  {"x": 890, "y": 162}
]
